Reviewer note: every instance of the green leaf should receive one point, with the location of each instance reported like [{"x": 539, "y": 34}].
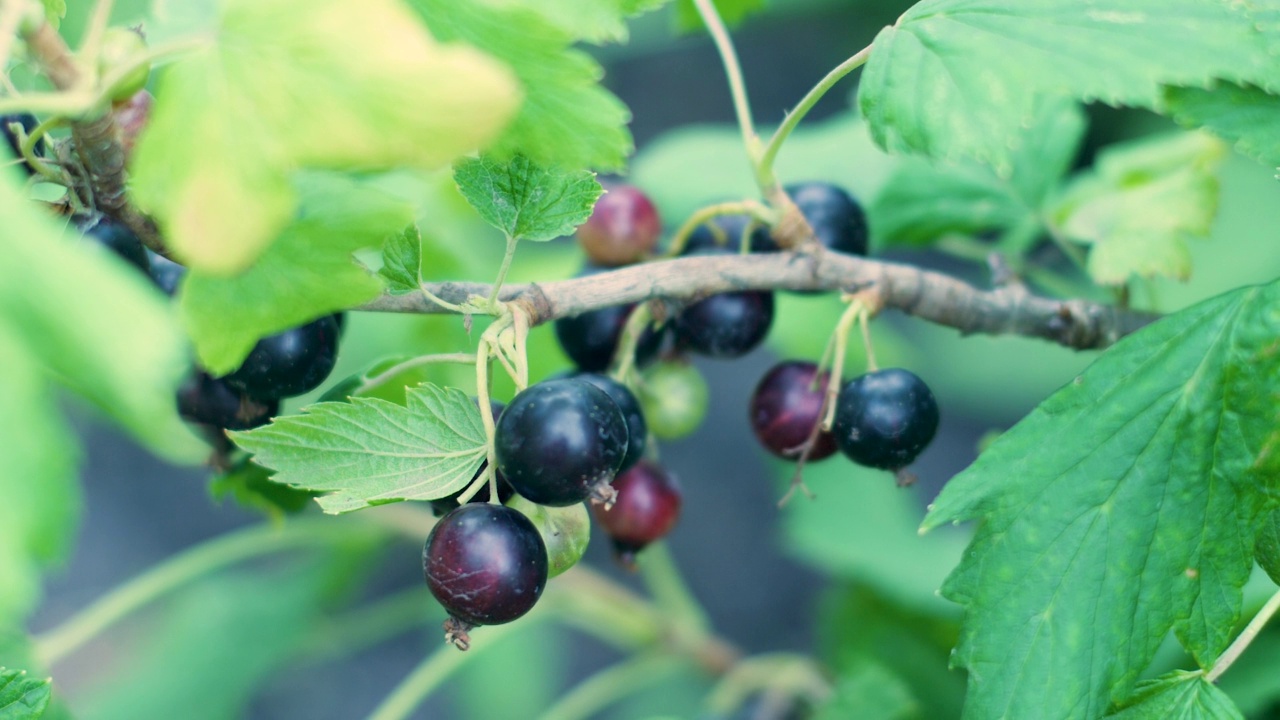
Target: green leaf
[
  {"x": 21, "y": 697},
  {"x": 1141, "y": 205},
  {"x": 391, "y": 389},
  {"x": 307, "y": 273},
  {"x": 1142, "y": 479},
  {"x": 1178, "y": 696},
  {"x": 525, "y": 200},
  {"x": 869, "y": 691},
  {"x": 250, "y": 485},
  {"x": 567, "y": 117},
  {"x": 1267, "y": 551},
  {"x": 54, "y": 11},
  {"x": 402, "y": 262},
  {"x": 371, "y": 452},
  {"x": 989, "y": 62},
  {"x": 732, "y": 12},
  {"x": 596, "y": 21},
  {"x": 292, "y": 83},
  {"x": 1244, "y": 115}
]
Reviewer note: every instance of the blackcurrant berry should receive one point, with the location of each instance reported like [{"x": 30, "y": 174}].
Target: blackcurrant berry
[
  {"x": 486, "y": 564},
  {"x": 838, "y": 221},
  {"x": 565, "y": 531},
  {"x": 727, "y": 325},
  {"x": 561, "y": 442},
  {"x": 637, "y": 429},
  {"x": 206, "y": 400},
  {"x": 28, "y": 123},
  {"x": 885, "y": 419},
  {"x": 647, "y": 507},
  {"x": 290, "y": 363},
  {"x": 786, "y": 406},
  {"x": 165, "y": 273},
  {"x": 623, "y": 228},
  {"x": 674, "y": 396},
  {"x": 113, "y": 236},
  {"x": 725, "y": 233},
  {"x": 591, "y": 339}
]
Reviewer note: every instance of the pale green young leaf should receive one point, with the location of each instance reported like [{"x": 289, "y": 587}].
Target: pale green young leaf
[
  {"x": 1143, "y": 478},
  {"x": 732, "y": 12},
  {"x": 54, "y": 11},
  {"x": 596, "y": 21},
  {"x": 1178, "y": 696},
  {"x": 988, "y": 63},
  {"x": 308, "y": 272},
  {"x": 1141, "y": 204},
  {"x": 291, "y": 83},
  {"x": 567, "y": 117},
  {"x": 22, "y": 697},
  {"x": 1244, "y": 115},
  {"x": 391, "y": 388},
  {"x": 525, "y": 200},
  {"x": 369, "y": 451},
  {"x": 402, "y": 262}
]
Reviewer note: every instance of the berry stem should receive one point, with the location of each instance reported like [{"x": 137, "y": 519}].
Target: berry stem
[
  {"x": 99, "y": 18},
  {"x": 512, "y": 241},
  {"x": 1241, "y": 643},
  {"x": 386, "y": 375},
  {"x": 27, "y": 148},
  {"x": 802, "y": 108},
  {"x": 589, "y": 697},
  {"x": 733, "y": 70},
  {"x": 755, "y": 209},
  {"x": 624, "y": 357},
  {"x": 793, "y": 675},
  {"x": 840, "y": 344}
]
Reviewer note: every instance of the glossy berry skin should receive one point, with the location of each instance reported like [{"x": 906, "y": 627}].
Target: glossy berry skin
[
  {"x": 590, "y": 339},
  {"x": 290, "y": 363},
  {"x": 485, "y": 563},
  {"x": 675, "y": 397},
  {"x": 785, "y": 407},
  {"x": 209, "y": 401},
  {"x": 623, "y": 228},
  {"x": 724, "y": 233},
  {"x": 838, "y": 221},
  {"x": 28, "y": 123},
  {"x": 165, "y": 273},
  {"x": 561, "y": 442},
  {"x": 115, "y": 237},
  {"x": 637, "y": 428},
  {"x": 727, "y": 325},
  {"x": 647, "y": 507},
  {"x": 885, "y": 419}
]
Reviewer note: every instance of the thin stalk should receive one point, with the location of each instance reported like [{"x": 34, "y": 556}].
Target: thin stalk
[
  {"x": 222, "y": 551},
  {"x": 27, "y": 149},
  {"x": 841, "y": 335},
  {"x": 1247, "y": 636},
  {"x": 610, "y": 685},
  {"x": 702, "y": 216},
  {"x": 367, "y": 626},
  {"x": 502, "y": 271},
  {"x": 11, "y": 13},
  {"x": 624, "y": 358},
  {"x": 806, "y": 104},
  {"x": 91, "y": 46},
  {"x": 386, "y": 375},
  {"x": 732, "y": 70}
]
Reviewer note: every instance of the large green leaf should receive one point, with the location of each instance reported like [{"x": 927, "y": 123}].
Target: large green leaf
[
  {"x": 1245, "y": 115},
  {"x": 961, "y": 77},
  {"x": 525, "y": 200},
  {"x": 370, "y": 451},
  {"x": 308, "y": 272},
  {"x": 298, "y": 83},
  {"x": 22, "y": 697},
  {"x": 1142, "y": 204},
  {"x": 596, "y": 21},
  {"x": 1179, "y": 696},
  {"x": 567, "y": 117},
  {"x": 1124, "y": 506}
]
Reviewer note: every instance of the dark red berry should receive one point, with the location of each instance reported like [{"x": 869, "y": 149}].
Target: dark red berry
[
  {"x": 838, "y": 221},
  {"x": 290, "y": 363},
  {"x": 646, "y": 509},
  {"x": 724, "y": 233},
  {"x": 623, "y": 228},
  {"x": 113, "y": 236},
  {"x": 28, "y": 123},
  {"x": 165, "y": 273},
  {"x": 209, "y": 401},
  {"x": 637, "y": 429},
  {"x": 486, "y": 564},
  {"x": 786, "y": 406},
  {"x": 727, "y": 325},
  {"x": 561, "y": 442},
  {"x": 885, "y": 419}
]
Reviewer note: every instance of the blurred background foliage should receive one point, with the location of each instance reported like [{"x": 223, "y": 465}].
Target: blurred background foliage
[{"x": 327, "y": 634}]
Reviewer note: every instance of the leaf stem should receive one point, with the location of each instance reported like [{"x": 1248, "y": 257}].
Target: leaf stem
[
  {"x": 222, "y": 551},
  {"x": 386, "y": 375},
  {"x": 624, "y": 358},
  {"x": 733, "y": 70},
  {"x": 91, "y": 45},
  {"x": 806, "y": 104},
  {"x": 1247, "y": 636},
  {"x": 502, "y": 271},
  {"x": 615, "y": 682}
]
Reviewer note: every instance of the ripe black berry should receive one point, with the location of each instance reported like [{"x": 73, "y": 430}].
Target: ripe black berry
[
  {"x": 623, "y": 228},
  {"x": 115, "y": 237},
  {"x": 885, "y": 419},
  {"x": 560, "y": 442},
  {"x": 486, "y": 564},
  {"x": 591, "y": 339},
  {"x": 637, "y": 429},
  {"x": 838, "y": 221},
  {"x": 28, "y": 123},
  {"x": 727, "y": 325},
  {"x": 786, "y": 406},
  {"x": 165, "y": 273},
  {"x": 725, "y": 233},
  {"x": 647, "y": 507},
  {"x": 209, "y": 401},
  {"x": 290, "y": 363}
]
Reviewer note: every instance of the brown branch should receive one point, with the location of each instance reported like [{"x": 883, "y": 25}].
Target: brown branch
[{"x": 929, "y": 295}]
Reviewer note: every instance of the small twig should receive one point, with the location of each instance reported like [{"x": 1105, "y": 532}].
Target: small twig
[
  {"x": 386, "y": 375},
  {"x": 1241, "y": 643},
  {"x": 732, "y": 70}
]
